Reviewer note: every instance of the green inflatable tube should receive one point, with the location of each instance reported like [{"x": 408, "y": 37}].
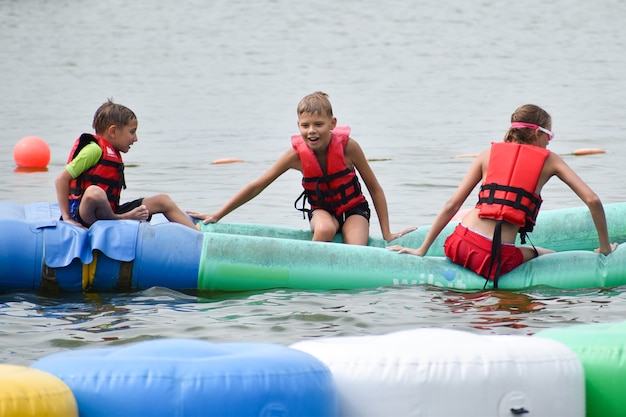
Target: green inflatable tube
[
  {"x": 252, "y": 257},
  {"x": 602, "y": 351},
  {"x": 559, "y": 230},
  {"x": 240, "y": 263}
]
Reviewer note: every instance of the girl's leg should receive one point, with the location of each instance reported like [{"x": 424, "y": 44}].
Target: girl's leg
[{"x": 529, "y": 252}]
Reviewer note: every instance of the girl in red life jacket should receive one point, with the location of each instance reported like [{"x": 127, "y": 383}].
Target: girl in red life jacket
[
  {"x": 512, "y": 172},
  {"x": 328, "y": 158}
]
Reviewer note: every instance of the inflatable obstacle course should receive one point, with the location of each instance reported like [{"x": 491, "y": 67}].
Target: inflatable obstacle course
[
  {"x": 574, "y": 371},
  {"x": 39, "y": 252}
]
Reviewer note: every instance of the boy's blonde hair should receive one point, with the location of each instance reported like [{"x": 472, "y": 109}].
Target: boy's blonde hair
[
  {"x": 315, "y": 103},
  {"x": 111, "y": 113},
  {"x": 528, "y": 113}
]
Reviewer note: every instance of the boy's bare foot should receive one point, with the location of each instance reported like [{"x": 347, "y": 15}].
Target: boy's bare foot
[{"x": 138, "y": 213}]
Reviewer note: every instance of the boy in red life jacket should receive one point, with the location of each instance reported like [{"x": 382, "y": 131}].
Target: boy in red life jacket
[
  {"x": 513, "y": 173},
  {"x": 90, "y": 185},
  {"x": 327, "y": 158}
]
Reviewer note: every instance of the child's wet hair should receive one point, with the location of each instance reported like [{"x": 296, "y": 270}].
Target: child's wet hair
[
  {"x": 111, "y": 113},
  {"x": 315, "y": 103},
  {"x": 528, "y": 113}
]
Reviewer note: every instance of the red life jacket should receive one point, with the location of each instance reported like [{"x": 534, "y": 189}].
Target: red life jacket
[
  {"x": 508, "y": 191},
  {"x": 336, "y": 188},
  {"x": 107, "y": 174}
]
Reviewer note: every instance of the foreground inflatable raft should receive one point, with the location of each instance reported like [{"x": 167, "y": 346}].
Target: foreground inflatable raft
[
  {"x": 38, "y": 252},
  {"x": 409, "y": 373},
  {"x": 573, "y": 371}
]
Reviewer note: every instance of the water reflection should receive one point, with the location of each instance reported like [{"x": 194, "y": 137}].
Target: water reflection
[
  {"x": 28, "y": 170},
  {"x": 494, "y": 308},
  {"x": 95, "y": 314}
]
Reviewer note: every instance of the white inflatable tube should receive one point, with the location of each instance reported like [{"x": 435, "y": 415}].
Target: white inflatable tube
[{"x": 442, "y": 373}]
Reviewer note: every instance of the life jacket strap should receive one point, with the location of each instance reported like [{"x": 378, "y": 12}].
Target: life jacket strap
[{"x": 496, "y": 255}]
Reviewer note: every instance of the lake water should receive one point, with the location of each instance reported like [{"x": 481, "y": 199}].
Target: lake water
[{"x": 419, "y": 83}]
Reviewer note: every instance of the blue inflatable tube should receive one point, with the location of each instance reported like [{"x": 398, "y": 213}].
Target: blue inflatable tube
[
  {"x": 39, "y": 252},
  {"x": 178, "y": 377},
  {"x": 21, "y": 247}
]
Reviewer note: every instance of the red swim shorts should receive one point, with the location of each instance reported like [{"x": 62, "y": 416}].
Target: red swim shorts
[{"x": 473, "y": 251}]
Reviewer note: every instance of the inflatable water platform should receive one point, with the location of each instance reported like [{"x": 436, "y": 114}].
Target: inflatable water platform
[{"x": 38, "y": 252}]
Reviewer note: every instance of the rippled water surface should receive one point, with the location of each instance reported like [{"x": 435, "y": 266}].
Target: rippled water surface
[{"x": 419, "y": 83}]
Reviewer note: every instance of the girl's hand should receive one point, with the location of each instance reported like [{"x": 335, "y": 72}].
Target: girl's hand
[
  {"x": 206, "y": 218},
  {"x": 613, "y": 247},
  {"x": 402, "y": 249}
]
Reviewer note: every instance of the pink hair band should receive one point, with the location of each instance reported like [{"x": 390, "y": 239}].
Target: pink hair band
[
  {"x": 522, "y": 124},
  {"x": 535, "y": 127}
]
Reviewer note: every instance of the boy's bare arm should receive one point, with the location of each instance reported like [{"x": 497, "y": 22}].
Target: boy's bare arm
[
  {"x": 288, "y": 160},
  {"x": 62, "y": 185}
]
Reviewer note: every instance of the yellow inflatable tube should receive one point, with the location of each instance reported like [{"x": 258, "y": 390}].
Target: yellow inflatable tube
[{"x": 26, "y": 392}]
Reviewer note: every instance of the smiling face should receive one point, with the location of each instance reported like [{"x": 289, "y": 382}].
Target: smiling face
[
  {"x": 123, "y": 137},
  {"x": 315, "y": 130}
]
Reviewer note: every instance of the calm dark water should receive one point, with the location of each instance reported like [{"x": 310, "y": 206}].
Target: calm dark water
[{"x": 419, "y": 83}]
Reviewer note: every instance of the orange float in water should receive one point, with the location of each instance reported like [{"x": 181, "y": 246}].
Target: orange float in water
[
  {"x": 588, "y": 151},
  {"x": 227, "y": 161},
  {"x": 31, "y": 152}
]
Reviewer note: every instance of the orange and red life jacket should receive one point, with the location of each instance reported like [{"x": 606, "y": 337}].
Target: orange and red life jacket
[
  {"x": 334, "y": 188},
  {"x": 108, "y": 173},
  {"x": 508, "y": 191}
]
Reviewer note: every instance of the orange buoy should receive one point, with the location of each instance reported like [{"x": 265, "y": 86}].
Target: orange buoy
[
  {"x": 31, "y": 152},
  {"x": 227, "y": 161},
  {"x": 587, "y": 151}
]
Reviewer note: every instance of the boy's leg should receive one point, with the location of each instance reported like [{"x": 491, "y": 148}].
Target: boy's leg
[
  {"x": 162, "y": 203},
  {"x": 133, "y": 210},
  {"x": 94, "y": 205},
  {"x": 324, "y": 226},
  {"x": 356, "y": 226},
  {"x": 356, "y": 230}
]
